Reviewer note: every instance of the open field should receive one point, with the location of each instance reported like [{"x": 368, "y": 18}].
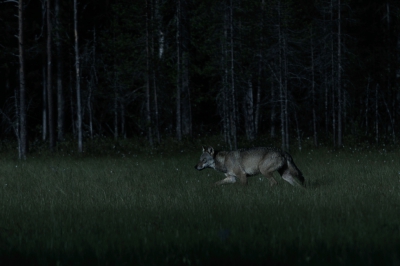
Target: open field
[{"x": 156, "y": 209}]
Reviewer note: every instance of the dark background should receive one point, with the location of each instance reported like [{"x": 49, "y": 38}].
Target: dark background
[{"x": 120, "y": 42}]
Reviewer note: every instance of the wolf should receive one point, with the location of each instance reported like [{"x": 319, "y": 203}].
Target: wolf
[{"x": 242, "y": 163}]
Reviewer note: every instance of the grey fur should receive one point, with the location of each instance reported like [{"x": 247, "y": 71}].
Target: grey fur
[{"x": 242, "y": 163}]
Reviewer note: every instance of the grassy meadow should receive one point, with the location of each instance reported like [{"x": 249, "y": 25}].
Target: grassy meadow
[{"x": 154, "y": 208}]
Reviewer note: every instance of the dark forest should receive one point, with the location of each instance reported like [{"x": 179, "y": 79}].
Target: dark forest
[
  {"x": 323, "y": 70},
  {"x": 105, "y": 106}
]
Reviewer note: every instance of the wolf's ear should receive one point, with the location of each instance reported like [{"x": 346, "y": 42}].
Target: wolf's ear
[
  {"x": 210, "y": 150},
  {"x": 204, "y": 148}
]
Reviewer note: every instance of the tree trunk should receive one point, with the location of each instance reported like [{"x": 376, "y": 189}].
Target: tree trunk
[
  {"x": 44, "y": 105},
  {"x": 260, "y": 70},
  {"x": 17, "y": 119},
  {"x": 249, "y": 111},
  {"x": 298, "y": 131},
  {"x": 156, "y": 114},
  {"x": 116, "y": 96},
  {"x": 71, "y": 103},
  {"x": 339, "y": 86},
  {"x": 367, "y": 107},
  {"x": 60, "y": 73},
  {"x": 326, "y": 103},
  {"x": 186, "y": 112},
  {"x": 313, "y": 92},
  {"x": 273, "y": 109},
  {"x": 225, "y": 99},
  {"x": 148, "y": 74},
  {"x": 122, "y": 109},
  {"x": 52, "y": 140},
  {"x": 185, "y": 99},
  {"x": 333, "y": 117},
  {"x": 90, "y": 107},
  {"x": 232, "y": 72},
  {"x": 376, "y": 115},
  {"x": 390, "y": 119},
  {"x": 159, "y": 30},
  {"x": 15, "y": 123},
  {"x": 228, "y": 93},
  {"x": 392, "y": 66},
  {"x": 178, "y": 72},
  {"x": 91, "y": 85},
  {"x": 282, "y": 80},
  {"x": 286, "y": 93},
  {"x": 90, "y": 111},
  {"x": 78, "y": 78},
  {"x": 258, "y": 99},
  {"x": 23, "y": 144},
  {"x": 281, "y": 99},
  {"x": 158, "y": 36},
  {"x": 333, "y": 80},
  {"x": 394, "y": 108}
]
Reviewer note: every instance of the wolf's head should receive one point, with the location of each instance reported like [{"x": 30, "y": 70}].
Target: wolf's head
[{"x": 206, "y": 159}]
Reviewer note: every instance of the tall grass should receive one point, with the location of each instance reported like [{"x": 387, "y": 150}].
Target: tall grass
[{"x": 155, "y": 209}]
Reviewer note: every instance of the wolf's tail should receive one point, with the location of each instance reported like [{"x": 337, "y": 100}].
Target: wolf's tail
[{"x": 293, "y": 168}]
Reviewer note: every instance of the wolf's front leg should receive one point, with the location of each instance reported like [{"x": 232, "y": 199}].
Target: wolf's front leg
[{"x": 230, "y": 179}]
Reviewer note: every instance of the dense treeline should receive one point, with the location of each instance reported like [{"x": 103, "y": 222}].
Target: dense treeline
[{"x": 323, "y": 69}]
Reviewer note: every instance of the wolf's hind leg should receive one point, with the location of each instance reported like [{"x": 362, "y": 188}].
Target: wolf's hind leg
[
  {"x": 272, "y": 181},
  {"x": 268, "y": 166},
  {"x": 228, "y": 180},
  {"x": 243, "y": 178},
  {"x": 270, "y": 177}
]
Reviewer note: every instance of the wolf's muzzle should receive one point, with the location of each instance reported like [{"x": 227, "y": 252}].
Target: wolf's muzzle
[{"x": 197, "y": 167}]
